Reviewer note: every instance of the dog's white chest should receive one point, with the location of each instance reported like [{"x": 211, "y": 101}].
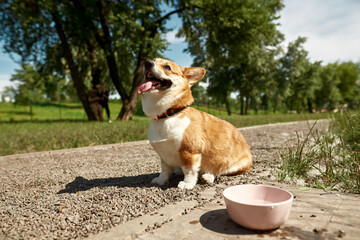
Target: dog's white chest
[{"x": 166, "y": 136}]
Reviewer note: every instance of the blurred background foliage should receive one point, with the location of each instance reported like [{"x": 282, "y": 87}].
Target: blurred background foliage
[{"x": 66, "y": 47}]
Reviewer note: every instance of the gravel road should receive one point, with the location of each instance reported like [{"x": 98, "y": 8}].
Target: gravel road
[{"x": 73, "y": 193}]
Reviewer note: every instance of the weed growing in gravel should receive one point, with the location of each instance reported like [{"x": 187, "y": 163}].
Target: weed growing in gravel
[
  {"x": 347, "y": 126},
  {"x": 330, "y": 160},
  {"x": 298, "y": 160}
]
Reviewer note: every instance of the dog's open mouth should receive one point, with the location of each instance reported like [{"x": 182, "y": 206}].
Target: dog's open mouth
[{"x": 151, "y": 83}]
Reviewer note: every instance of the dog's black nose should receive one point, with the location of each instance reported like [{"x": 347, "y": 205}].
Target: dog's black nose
[{"x": 149, "y": 64}]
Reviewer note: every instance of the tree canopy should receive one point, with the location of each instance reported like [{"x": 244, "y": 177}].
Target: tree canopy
[
  {"x": 79, "y": 44},
  {"x": 88, "y": 40},
  {"x": 233, "y": 40}
]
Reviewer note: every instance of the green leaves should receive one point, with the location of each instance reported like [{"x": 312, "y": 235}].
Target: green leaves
[
  {"x": 230, "y": 39},
  {"x": 29, "y": 87},
  {"x": 101, "y": 41},
  {"x": 236, "y": 41},
  {"x": 34, "y": 86},
  {"x": 299, "y": 78}
]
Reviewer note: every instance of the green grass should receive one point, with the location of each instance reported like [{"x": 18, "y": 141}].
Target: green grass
[
  {"x": 297, "y": 161},
  {"x": 47, "y": 131},
  {"x": 10, "y": 112},
  {"x": 261, "y": 118},
  {"x": 252, "y": 120},
  {"x": 328, "y": 161},
  {"x": 31, "y": 136}
]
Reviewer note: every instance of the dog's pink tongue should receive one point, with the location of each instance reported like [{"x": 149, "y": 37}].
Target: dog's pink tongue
[{"x": 144, "y": 86}]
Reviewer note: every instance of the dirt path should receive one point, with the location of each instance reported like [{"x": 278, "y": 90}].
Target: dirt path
[{"x": 77, "y": 192}]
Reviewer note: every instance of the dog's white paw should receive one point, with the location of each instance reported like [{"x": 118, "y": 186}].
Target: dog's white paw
[
  {"x": 159, "y": 180},
  {"x": 185, "y": 185},
  {"x": 208, "y": 178}
]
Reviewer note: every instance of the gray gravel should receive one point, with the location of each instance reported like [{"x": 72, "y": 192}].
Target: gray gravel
[{"x": 72, "y": 193}]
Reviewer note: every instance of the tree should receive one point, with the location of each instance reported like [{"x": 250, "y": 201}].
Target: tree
[
  {"x": 128, "y": 34},
  {"x": 256, "y": 78},
  {"x": 338, "y": 85},
  {"x": 199, "y": 94},
  {"x": 271, "y": 90},
  {"x": 95, "y": 39},
  {"x": 220, "y": 86},
  {"x": 32, "y": 29},
  {"x": 348, "y": 75},
  {"x": 30, "y": 88},
  {"x": 227, "y": 38},
  {"x": 328, "y": 94},
  {"x": 299, "y": 77},
  {"x": 9, "y": 92},
  {"x": 55, "y": 87}
]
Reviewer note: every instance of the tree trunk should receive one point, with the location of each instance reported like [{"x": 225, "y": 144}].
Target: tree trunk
[
  {"x": 241, "y": 105},
  {"x": 78, "y": 84},
  {"x": 31, "y": 111},
  {"x": 95, "y": 70},
  {"x": 105, "y": 43},
  {"x": 309, "y": 105},
  {"x": 247, "y": 104},
  {"x": 275, "y": 105},
  {"x": 130, "y": 103},
  {"x": 127, "y": 110},
  {"x": 227, "y": 104}
]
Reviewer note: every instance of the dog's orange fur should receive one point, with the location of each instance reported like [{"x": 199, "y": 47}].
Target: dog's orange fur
[{"x": 221, "y": 147}]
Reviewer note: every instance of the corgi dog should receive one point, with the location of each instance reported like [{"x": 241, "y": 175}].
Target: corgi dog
[{"x": 183, "y": 137}]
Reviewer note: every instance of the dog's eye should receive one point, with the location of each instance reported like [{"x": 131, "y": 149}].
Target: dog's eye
[{"x": 167, "y": 67}]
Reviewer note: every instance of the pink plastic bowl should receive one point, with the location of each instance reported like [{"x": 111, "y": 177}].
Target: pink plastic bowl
[{"x": 258, "y": 207}]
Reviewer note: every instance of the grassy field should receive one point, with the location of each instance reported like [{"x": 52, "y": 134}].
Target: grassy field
[
  {"x": 50, "y": 129},
  {"x": 10, "y": 112}
]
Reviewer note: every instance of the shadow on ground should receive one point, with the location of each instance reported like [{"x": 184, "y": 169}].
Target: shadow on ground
[
  {"x": 219, "y": 221},
  {"x": 144, "y": 180}
]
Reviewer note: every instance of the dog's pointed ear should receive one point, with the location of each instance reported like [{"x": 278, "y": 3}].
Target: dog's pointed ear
[{"x": 194, "y": 74}]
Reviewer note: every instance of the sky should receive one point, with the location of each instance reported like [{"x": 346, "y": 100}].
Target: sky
[{"x": 332, "y": 29}]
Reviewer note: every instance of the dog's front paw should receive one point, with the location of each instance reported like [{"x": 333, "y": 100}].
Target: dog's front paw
[
  {"x": 159, "y": 180},
  {"x": 185, "y": 185}
]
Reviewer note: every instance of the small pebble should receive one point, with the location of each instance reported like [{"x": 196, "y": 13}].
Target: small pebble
[{"x": 340, "y": 233}]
